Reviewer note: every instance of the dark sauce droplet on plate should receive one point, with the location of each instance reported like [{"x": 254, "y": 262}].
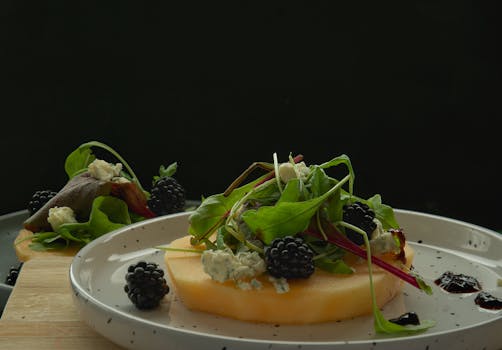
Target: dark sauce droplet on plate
[
  {"x": 406, "y": 319},
  {"x": 487, "y": 301},
  {"x": 458, "y": 283}
]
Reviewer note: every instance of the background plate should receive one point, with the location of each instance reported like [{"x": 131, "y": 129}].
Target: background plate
[
  {"x": 441, "y": 244},
  {"x": 10, "y": 225}
]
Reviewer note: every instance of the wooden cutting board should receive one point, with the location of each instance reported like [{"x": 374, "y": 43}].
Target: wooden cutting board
[{"x": 40, "y": 313}]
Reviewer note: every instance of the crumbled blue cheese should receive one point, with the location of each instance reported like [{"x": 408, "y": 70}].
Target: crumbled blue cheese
[
  {"x": 281, "y": 284},
  {"x": 253, "y": 284},
  {"x": 59, "y": 216},
  {"x": 288, "y": 171},
  {"x": 224, "y": 265},
  {"x": 383, "y": 241},
  {"x": 102, "y": 170},
  {"x": 120, "y": 180},
  {"x": 256, "y": 284}
]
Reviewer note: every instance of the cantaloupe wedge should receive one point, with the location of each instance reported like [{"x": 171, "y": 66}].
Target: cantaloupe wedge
[
  {"x": 25, "y": 253},
  {"x": 322, "y": 297}
]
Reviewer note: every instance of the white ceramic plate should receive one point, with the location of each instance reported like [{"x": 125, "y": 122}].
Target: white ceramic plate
[{"x": 97, "y": 278}]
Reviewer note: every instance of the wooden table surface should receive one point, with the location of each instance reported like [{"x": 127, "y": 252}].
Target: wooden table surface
[{"x": 40, "y": 313}]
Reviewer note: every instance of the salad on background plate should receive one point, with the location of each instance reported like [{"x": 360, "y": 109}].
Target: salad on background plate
[{"x": 99, "y": 197}]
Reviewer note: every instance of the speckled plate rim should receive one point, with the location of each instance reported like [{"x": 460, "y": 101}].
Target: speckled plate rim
[{"x": 80, "y": 292}]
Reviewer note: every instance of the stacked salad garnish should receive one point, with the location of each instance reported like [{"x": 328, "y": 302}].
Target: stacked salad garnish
[
  {"x": 99, "y": 197},
  {"x": 297, "y": 218}
]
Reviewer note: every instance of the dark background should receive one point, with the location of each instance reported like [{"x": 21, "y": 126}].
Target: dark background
[{"x": 408, "y": 89}]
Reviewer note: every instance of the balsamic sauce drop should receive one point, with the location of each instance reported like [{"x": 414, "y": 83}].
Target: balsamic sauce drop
[
  {"x": 407, "y": 318},
  {"x": 488, "y": 301},
  {"x": 458, "y": 283}
]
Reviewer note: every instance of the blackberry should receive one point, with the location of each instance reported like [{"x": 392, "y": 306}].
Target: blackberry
[
  {"x": 146, "y": 285},
  {"x": 289, "y": 257},
  {"x": 167, "y": 196},
  {"x": 360, "y": 215},
  {"x": 13, "y": 274},
  {"x": 39, "y": 199}
]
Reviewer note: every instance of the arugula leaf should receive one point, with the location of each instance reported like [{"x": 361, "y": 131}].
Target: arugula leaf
[
  {"x": 285, "y": 218},
  {"x": 318, "y": 182},
  {"x": 342, "y": 159},
  {"x": 291, "y": 192}
]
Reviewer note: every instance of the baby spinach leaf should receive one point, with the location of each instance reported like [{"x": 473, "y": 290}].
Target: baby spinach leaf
[
  {"x": 78, "y": 161},
  {"x": 213, "y": 210},
  {"x": 108, "y": 213},
  {"x": 41, "y": 247}
]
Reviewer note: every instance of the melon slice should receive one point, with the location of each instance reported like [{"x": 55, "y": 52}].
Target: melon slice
[
  {"x": 25, "y": 253},
  {"x": 322, "y": 297}
]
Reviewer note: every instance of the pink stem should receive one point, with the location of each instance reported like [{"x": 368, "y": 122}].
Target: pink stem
[{"x": 337, "y": 238}]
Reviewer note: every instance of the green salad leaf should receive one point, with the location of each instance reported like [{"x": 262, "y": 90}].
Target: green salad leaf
[
  {"x": 78, "y": 161},
  {"x": 285, "y": 218},
  {"x": 345, "y": 160},
  {"x": 292, "y": 192},
  {"x": 166, "y": 172},
  {"x": 214, "y": 209},
  {"x": 383, "y": 212},
  {"x": 108, "y": 213},
  {"x": 336, "y": 266},
  {"x": 381, "y": 324}
]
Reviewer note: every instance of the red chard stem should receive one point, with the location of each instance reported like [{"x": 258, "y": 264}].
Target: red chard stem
[{"x": 337, "y": 238}]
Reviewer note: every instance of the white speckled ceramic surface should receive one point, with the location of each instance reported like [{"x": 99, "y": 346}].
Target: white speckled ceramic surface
[{"x": 97, "y": 277}]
